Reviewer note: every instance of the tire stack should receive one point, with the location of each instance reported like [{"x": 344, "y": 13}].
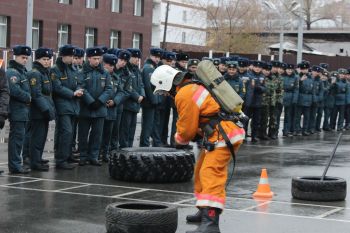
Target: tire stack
[{"x": 152, "y": 165}]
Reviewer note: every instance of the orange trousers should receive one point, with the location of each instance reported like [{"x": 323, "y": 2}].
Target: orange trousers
[{"x": 210, "y": 177}]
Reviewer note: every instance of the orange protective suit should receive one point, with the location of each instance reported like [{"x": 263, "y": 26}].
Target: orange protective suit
[{"x": 193, "y": 101}]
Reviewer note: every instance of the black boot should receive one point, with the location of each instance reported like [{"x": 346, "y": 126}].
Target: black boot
[
  {"x": 210, "y": 221},
  {"x": 195, "y": 218}
]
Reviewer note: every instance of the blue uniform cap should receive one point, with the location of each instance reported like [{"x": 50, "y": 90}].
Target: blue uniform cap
[
  {"x": 158, "y": 52},
  {"x": 110, "y": 59},
  {"x": 135, "y": 52},
  {"x": 22, "y": 50},
  {"x": 124, "y": 54},
  {"x": 67, "y": 50},
  {"x": 43, "y": 52},
  {"x": 94, "y": 51}
]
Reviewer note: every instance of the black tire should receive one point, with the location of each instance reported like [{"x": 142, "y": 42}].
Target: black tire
[
  {"x": 141, "y": 218},
  {"x": 311, "y": 188},
  {"x": 152, "y": 164}
]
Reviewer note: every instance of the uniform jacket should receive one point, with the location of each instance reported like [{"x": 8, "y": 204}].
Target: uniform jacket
[
  {"x": 269, "y": 97},
  {"x": 348, "y": 93},
  {"x": 236, "y": 83},
  {"x": 254, "y": 93},
  {"x": 120, "y": 92},
  {"x": 4, "y": 95},
  {"x": 340, "y": 89},
  {"x": 306, "y": 91},
  {"x": 41, "y": 91},
  {"x": 20, "y": 97},
  {"x": 290, "y": 89},
  {"x": 193, "y": 103},
  {"x": 137, "y": 89},
  {"x": 151, "y": 100},
  {"x": 97, "y": 86},
  {"x": 318, "y": 96},
  {"x": 279, "y": 87},
  {"x": 329, "y": 93},
  {"x": 65, "y": 81}
]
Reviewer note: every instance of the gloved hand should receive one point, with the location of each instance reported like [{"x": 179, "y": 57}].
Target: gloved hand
[
  {"x": 95, "y": 105},
  {"x": 2, "y": 122}
]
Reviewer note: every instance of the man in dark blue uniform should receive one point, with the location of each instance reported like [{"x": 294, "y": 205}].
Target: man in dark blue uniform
[
  {"x": 66, "y": 91},
  {"x": 290, "y": 99},
  {"x": 4, "y": 100},
  {"x": 132, "y": 104},
  {"x": 253, "y": 101},
  {"x": 78, "y": 61},
  {"x": 96, "y": 83},
  {"x": 232, "y": 77},
  {"x": 306, "y": 92},
  {"x": 42, "y": 109},
  {"x": 122, "y": 74},
  {"x": 150, "y": 103},
  {"x": 329, "y": 99},
  {"x": 20, "y": 100},
  {"x": 317, "y": 101},
  {"x": 341, "y": 91},
  {"x": 113, "y": 104}
]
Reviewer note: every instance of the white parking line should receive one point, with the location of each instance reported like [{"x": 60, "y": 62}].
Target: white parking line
[
  {"x": 23, "y": 182},
  {"x": 73, "y": 187},
  {"x": 130, "y": 193},
  {"x": 256, "y": 206},
  {"x": 330, "y": 212}
]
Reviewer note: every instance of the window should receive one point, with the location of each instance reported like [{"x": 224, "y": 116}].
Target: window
[
  {"x": 115, "y": 39},
  {"x": 90, "y": 37},
  {"x": 63, "y": 34},
  {"x": 137, "y": 40},
  {"x": 92, "y": 4},
  {"x": 183, "y": 40},
  {"x": 184, "y": 16},
  {"x": 138, "y": 7},
  {"x": 116, "y": 6},
  {"x": 36, "y": 34},
  {"x": 65, "y": 1},
  {"x": 3, "y": 31}
]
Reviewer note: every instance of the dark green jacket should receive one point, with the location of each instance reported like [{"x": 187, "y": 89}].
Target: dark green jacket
[
  {"x": 290, "y": 89},
  {"x": 20, "y": 97},
  {"x": 65, "y": 81},
  {"x": 151, "y": 100},
  {"x": 42, "y": 106},
  {"x": 97, "y": 86},
  {"x": 137, "y": 89}
]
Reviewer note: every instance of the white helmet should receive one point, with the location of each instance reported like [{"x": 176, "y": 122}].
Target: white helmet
[{"x": 162, "y": 78}]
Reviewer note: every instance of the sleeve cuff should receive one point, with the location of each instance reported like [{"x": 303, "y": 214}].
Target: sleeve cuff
[{"x": 179, "y": 140}]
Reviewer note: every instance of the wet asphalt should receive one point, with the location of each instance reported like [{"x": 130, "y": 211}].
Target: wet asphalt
[{"x": 74, "y": 201}]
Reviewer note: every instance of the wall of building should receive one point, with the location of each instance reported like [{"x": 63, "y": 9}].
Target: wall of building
[{"x": 79, "y": 17}]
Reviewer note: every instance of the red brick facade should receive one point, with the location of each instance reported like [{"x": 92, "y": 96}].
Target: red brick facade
[{"x": 52, "y": 13}]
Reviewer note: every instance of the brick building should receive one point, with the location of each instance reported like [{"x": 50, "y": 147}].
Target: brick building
[{"x": 85, "y": 23}]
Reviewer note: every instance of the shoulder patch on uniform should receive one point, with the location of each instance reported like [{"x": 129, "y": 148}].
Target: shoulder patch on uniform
[
  {"x": 13, "y": 79},
  {"x": 32, "y": 81},
  {"x": 53, "y": 77}
]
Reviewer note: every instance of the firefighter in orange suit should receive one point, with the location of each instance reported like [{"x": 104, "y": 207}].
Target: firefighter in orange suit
[{"x": 194, "y": 103}]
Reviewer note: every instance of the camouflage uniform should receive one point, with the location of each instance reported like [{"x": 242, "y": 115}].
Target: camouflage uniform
[
  {"x": 279, "y": 100},
  {"x": 268, "y": 117}
]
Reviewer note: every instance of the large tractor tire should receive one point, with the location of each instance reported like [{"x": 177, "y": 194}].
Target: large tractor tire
[
  {"x": 141, "y": 218},
  {"x": 312, "y": 188},
  {"x": 151, "y": 164}
]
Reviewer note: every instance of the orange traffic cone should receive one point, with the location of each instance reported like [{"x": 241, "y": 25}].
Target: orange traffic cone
[{"x": 263, "y": 190}]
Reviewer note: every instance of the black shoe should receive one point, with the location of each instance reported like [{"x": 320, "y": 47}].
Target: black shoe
[
  {"x": 83, "y": 162},
  {"x": 40, "y": 167},
  {"x": 290, "y": 134},
  {"x": 254, "y": 139},
  {"x": 71, "y": 159},
  {"x": 105, "y": 159},
  {"x": 210, "y": 221},
  {"x": 20, "y": 171},
  {"x": 264, "y": 137},
  {"x": 326, "y": 129},
  {"x": 195, "y": 218},
  {"x": 1, "y": 171},
  {"x": 306, "y": 134},
  {"x": 65, "y": 166},
  {"x": 45, "y": 161},
  {"x": 285, "y": 135},
  {"x": 95, "y": 163}
]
